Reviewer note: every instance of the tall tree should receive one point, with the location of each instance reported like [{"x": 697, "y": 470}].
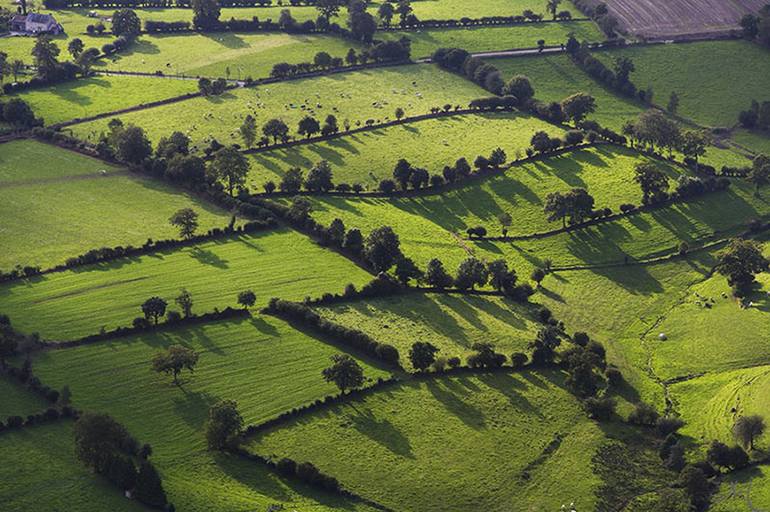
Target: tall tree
[
  {"x": 75, "y": 47},
  {"x": 748, "y": 428},
  {"x": 344, "y": 372},
  {"x": 186, "y": 219},
  {"x": 205, "y": 13},
  {"x": 125, "y": 22},
  {"x": 740, "y": 262},
  {"x": 154, "y": 308},
  {"x": 552, "y": 6},
  {"x": 653, "y": 182},
  {"x": 382, "y": 248},
  {"x": 175, "y": 359},
  {"x": 422, "y": 354},
  {"x": 224, "y": 425},
  {"x": 328, "y": 8},
  {"x": 230, "y": 167},
  {"x": 276, "y": 129},
  {"x": 578, "y": 106},
  {"x": 46, "y": 55},
  {"x": 471, "y": 273}
]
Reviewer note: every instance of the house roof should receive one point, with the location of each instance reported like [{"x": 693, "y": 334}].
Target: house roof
[
  {"x": 19, "y": 18},
  {"x": 40, "y": 18}
]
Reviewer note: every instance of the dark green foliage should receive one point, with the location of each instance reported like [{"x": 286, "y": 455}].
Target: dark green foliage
[
  {"x": 422, "y": 355},
  {"x": 149, "y": 489},
  {"x": 224, "y": 425}
]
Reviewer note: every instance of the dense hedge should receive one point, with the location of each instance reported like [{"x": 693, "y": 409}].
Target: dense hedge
[
  {"x": 48, "y": 416},
  {"x": 302, "y": 314},
  {"x": 479, "y": 22}
]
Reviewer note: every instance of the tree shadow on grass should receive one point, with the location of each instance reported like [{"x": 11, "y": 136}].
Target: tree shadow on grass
[
  {"x": 381, "y": 431},
  {"x": 508, "y": 385},
  {"x": 192, "y": 406},
  {"x": 207, "y": 257},
  {"x": 464, "y": 411}
]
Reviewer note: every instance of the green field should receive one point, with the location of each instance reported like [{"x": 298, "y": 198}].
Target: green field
[
  {"x": 40, "y": 472},
  {"x": 699, "y": 323},
  {"x": 744, "y": 491},
  {"x": 453, "y": 323},
  {"x": 79, "y": 302},
  {"x": 373, "y": 94},
  {"x": 58, "y": 198},
  {"x": 711, "y": 404},
  {"x": 449, "y": 444},
  {"x": 368, "y": 157},
  {"x": 17, "y": 400},
  {"x": 213, "y": 54},
  {"x": 757, "y": 142},
  {"x": 100, "y": 94},
  {"x": 480, "y": 39},
  {"x": 260, "y": 362},
  {"x": 714, "y": 80}
]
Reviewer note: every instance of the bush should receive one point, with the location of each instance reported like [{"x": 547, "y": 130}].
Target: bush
[
  {"x": 580, "y": 338},
  {"x": 614, "y": 377},
  {"x": 519, "y": 360},
  {"x": 668, "y": 425},
  {"x": 644, "y": 414},
  {"x": 600, "y": 408},
  {"x": 454, "y": 362}
]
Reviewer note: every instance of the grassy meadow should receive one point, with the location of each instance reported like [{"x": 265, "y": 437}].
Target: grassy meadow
[
  {"x": 356, "y": 97},
  {"x": 213, "y": 54},
  {"x": 40, "y": 472},
  {"x": 450, "y": 443},
  {"x": 57, "y": 198},
  {"x": 75, "y": 303},
  {"x": 714, "y": 80},
  {"x": 744, "y": 491},
  {"x": 480, "y": 39},
  {"x": 18, "y": 401},
  {"x": 261, "y": 362},
  {"x": 369, "y": 157},
  {"x": 453, "y": 323},
  {"x": 99, "y": 94}
]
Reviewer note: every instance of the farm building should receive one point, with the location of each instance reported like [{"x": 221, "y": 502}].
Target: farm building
[{"x": 35, "y": 23}]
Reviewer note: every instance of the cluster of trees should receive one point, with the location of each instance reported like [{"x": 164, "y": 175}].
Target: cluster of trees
[
  {"x": 576, "y": 205},
  {"x": 474, "y": 68},
  {"x": 105, "y": 446},
  {"x": 10, "y": 341},
  {"x": 18, "y": 114},
  {"x": 224, "y": 425},
  {"x": 473, "y": 272},
  {"x": 543, "y": 143},
  {"x": 617, "y": 78},
  {"x": 757, "y": 116},
  {"x": 600, "y": 14},
  {"x": 277, "y": 130},
  {"x": 740, "y": 262},
  {"x": 757, "y": 28},
  {"x": 653, "y": 128},
  {"x": 208, "y": 87}
]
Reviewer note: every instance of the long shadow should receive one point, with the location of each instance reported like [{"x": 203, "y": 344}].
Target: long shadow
[
  {"x": 381, "y": 431},
  {"x": 464, "y": 411},
  {"x": 207, "y": 257}
]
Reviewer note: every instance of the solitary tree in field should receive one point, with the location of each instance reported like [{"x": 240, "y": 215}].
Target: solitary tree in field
[
  {"x": 247, "y": 299},
  {"x": 740, "y": 262},
  {"x": 505, "y": 221},
  {"x": 748, "y": 428},
  {"x": 186, "y": 220},
  {"x": 230, "y": 167},
  {"x": 249, "y": 130},
  {"x": 175, "y": 359},
  {"x": 224, "y": 424},
  {"x": 760, "y": 172},
  {"x": 126, "y": 22},
  {"x": 344, "y": 372},
  {"x": 185, "y": 302},
  {"x": 399, "y": 111},
  {"x": 538, "y": 275},
  {"x": 154, "y": 308},
  {"x": 422, "y": 355},
  {"x": 75, "y": 47}
]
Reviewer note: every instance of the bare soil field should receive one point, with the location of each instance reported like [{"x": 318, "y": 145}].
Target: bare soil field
[{"x": 680, "y": 18}]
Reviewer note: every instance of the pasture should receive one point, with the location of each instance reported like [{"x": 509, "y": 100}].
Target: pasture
[
  {"x": 223, "y": 54},
  {"x": 714, "y": 80},
  {"x": 368, "y": 157},
  {"x": 100, "y": 94},
  {"x": 452, "y": 323},
  {"x": 40, "y": 472},
  {"x": 58, "y": 198},
  {"x": 75, "y": 303},
  {"x": 442, "y": 443},
  {"x": 17, "y": 400},
  {"x": 744, "y": 491},
  {"x": 480, "y": 39},
  {"x": 261, "y": 362},
  {"x": 371, "y": 94}
]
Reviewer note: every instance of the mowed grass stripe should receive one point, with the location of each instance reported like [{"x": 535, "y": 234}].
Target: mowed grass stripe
[
  {"x": 72, "y": 304},
  {"x": 261, "y": 362}
]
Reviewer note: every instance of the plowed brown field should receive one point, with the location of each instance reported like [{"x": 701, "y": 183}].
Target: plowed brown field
[{"x": 676, "y": 18}]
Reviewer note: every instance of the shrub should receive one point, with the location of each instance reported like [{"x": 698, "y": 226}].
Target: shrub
[
  {"x": 600, "y": 408},
  {"x": 454, "y": 362},
  {"x": 643, "y": 414},
  {"x": 668, "y": 425},
  {"x": 519, "y": 359}
]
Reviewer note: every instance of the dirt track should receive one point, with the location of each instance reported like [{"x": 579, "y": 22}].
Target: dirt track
[{"x": 676, "y": 18}]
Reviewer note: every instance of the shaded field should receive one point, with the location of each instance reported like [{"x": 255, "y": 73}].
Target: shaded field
[
  {"x": 453, "y": 323},
  {"x": 744, "y": 491},
  {"x": 56, "y": 204},
  {"x": 479, "y": 39},
  {"x": 369, "y": 157},
  {"x": 96, "y": 95},
  {"x": 448, "y": 444},
  {"x": 756, "y": 141},
  {"x": 72, "y": 304},
  {"x": 372, "y": 94},
  {"x": 224, "y": 54},
  {"x": 261, "y": 362},
  {"x": 40, "y": 472},
  {"x": 18, "y": 401},
  {"x": 714, "y": 80},
  {"x": 697, "y": 325}
]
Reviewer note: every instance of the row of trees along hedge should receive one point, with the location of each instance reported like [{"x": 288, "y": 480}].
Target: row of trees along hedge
[
  {"x": 354, "y": 338},
  {"x": 380, "y": 51},
  {"x": 600, "y": 14},
  {"x": 475, "y": 69},
  {"x": 105, "y": 446},
  {"x": 617, "y": 78},
  {"x": 526, "y": 17},
  {"x": 757, "y": 116}
]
